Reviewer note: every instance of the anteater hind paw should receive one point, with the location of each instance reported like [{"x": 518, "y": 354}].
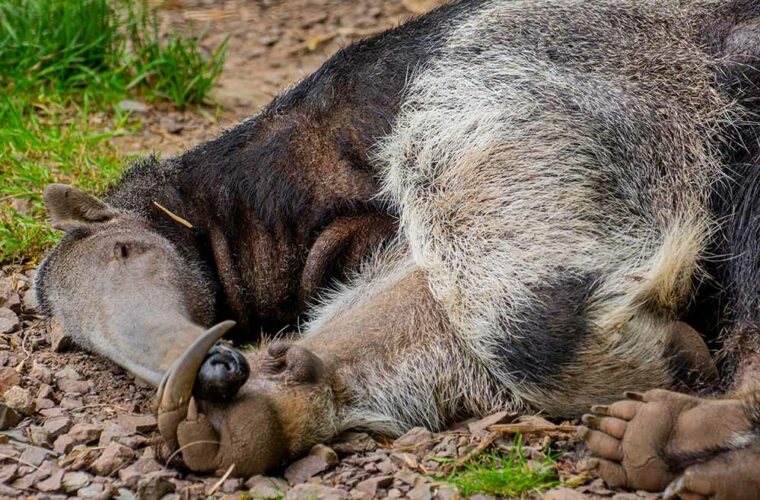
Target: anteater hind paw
[{"x": 647, "y": 440}]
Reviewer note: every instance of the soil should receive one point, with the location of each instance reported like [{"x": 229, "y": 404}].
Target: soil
[{"x": 85, "y": 427}]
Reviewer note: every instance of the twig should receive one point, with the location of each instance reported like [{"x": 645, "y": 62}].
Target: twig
[
  {"x": 531, "y": 428},
  {"x": 221, "y": 480}
]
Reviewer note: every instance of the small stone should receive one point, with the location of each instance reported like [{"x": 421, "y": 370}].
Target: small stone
[
  {"x": 39, "y": 436},
  {"x": 9, "y": 322},
  {"x": 9, "y": 417},
  {"x": 371, "y": 485},
  {"x": 19, "y": 399},
  {"x": 71, "y": 403},
  {"x": 319, "y": 459},
  {"x": 407, "y": 477},
  {"x": 95, "y": 491},
  {"x": 53, "y": 483},
  {"x": 8, "y": 295},
  {"x": 421, "y": 492},
  {"x": 137, "y": 422},
  {"x": 33, "y": 455},
  {"x": 354, "y": 442},
  {"x": 59, "y": 340},
  {"x": 113, "y": 432},
  {"x": 310, "y": 491},
  {"x": 170, "y": 125},
  {"x": 564, "y": 494},
  {"x": 8, "y": 378},
  {"x": 231, "y": 485},
  {"x": 7, "y": 473},
  {"x": 45, "y": 392},
  {"x": 57, "y": 426},
  {"x": 73, "y": 481},
  {"x": 405, "y": 460},
  {"x": 497, "y": 418},
  {"x": 269, "y": 40},
  {"x": 114, "y": 457},
  {"x": 414, "y": 438},
  {"x": 266, "y": 487},
  {"x": 132, "y": 106},
  {"x": 84, "y": 433},
  {"x": 131, "y": 475},
  {"x": 52, "y": 412},
  {"x": 29, "y": 305},
  {"x": 41, "y": 372},
  {"x": 154, "y": 486},
  {"x": 43, "y": 404},
  {"x": 63, "y": 444},
  {"x": 71, "y": 386},
  {"x": 125, "y": 494}
]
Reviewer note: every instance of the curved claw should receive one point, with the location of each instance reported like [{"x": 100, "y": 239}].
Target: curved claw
[{"x": 176, "y": 387}]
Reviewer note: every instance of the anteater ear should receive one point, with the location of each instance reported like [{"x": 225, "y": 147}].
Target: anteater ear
[{"x": 68, "y": 207}]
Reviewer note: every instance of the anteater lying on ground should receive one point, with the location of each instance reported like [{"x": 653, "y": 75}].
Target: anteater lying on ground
[{"x": 499, "y": 205}]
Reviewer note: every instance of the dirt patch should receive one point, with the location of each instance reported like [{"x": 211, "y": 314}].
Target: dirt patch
[{"x": 78, "y": 425}]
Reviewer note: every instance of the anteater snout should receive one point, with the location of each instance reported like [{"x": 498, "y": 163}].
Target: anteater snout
[{"x": 222, "y": 374}]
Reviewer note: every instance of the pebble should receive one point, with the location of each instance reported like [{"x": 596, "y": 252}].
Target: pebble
[
  {"x": 564, "y": 494},
  {"x": 9, "y": 322},
  {"x": 137, "y": 422},
  {"x": 371, "y": 485},
  {"x": 68, "y": 372},
  {"x": 63, "y": 444},
  {"x": 9, "y": 417},
  {"x": 8, "y": 378},
  {"x": 19, "y": 399},
  {"x": 266, "y": 487},
  {"x": 414, "y": 438},
  {"x": 95, "y": 491},
  {"x": 171, "y": 126},
  {"x": 84, "y": 433},
  {"x": 310, "y": 491},
  {"x": 8, "y": 295},
  {"x": 52, "y": 483},
  {"x": 71, "y": 386},
  {"x": 33, "y": 455},
  {"x": 41, "y": 372},
  {"x": 421, "y": 492},
  {"x": 29, "y": 305},
  {"x": 57, "y": 337},
  {"x": 115, "y": 456},
  {"x": 319, "y": 459},
  {"x": 57, "y": 426},
  {"x": 497, "y": 418},
  {"x": 73, "y": 481},
  {"x": 154, "y": 485},
  {"x": 39, "y": 436}
]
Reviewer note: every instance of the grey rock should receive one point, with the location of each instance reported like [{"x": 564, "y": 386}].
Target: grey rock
[
  {"x": 71, "y": 386},
  {"x": 9, "y": 322},
  {"x": 30, "y": 305},
  {"x": 9, "y": 417},
  {"x": 137, "y": 422},
  {"x": 266, "y": 487},
  {"x": 154, "y": 485},
  {"x": 41, "y": 372},
  {"x": 84, "y": 433},
  {"x": 57, "y": 426},
  {"x": 414, "y": 438},
  {"x": 39, "y": 436},
  {"x": 96, "y": 491},
  {"x": 8, "y": 378},
  {"x": 33, "y": 455},
  {"x": 20, "y": 399},
  {"x": 8, "y": 295},
  {"x": 564, "y": 494},
  {"x": 52, "y": 483},
  {"x": 319, "y": 459},
  {"x": 310, "y": 491},
  {"x": 73, "y": 481},
  {"x": 420, "y": 492},
  {"x": 371, "y": 485},
  {"x": 115, "y": 456}
]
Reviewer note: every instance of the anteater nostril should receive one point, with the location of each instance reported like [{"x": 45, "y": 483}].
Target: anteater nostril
[{"x": 222, "y": 374}]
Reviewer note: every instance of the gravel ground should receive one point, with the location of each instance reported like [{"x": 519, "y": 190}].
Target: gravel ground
[{"x": 72, "y": 424}]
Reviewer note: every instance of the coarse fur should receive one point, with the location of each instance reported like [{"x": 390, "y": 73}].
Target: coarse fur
[{"x": 508, "y": 211}]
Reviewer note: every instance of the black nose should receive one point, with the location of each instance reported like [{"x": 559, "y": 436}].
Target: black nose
[{"x": 222, "y": 374}]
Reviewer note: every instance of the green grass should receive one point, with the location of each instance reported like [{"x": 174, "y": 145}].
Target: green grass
[
  {"x": 504, "y": 474},
  {"x": 64, "y": 64}
]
